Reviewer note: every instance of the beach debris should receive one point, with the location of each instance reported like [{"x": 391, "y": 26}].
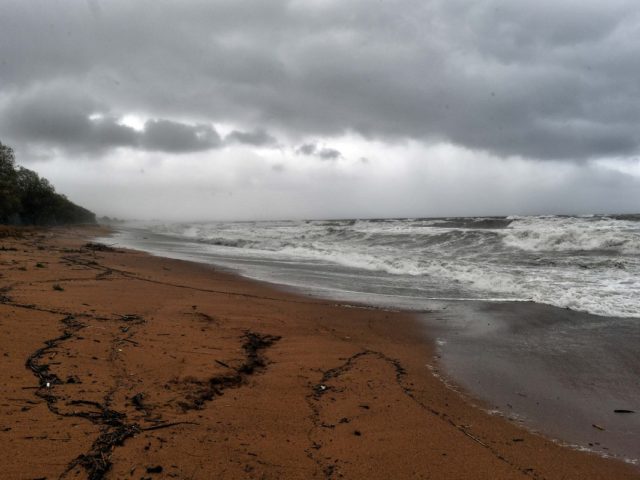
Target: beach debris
[
  {"x": 329, "y": 470},
  {"x": 97, "y": 462},
  {"x": 320, "y": 388},
  {"x": 598, "y": 427},
  {"x": 131, "y": 317},
  {"x": 357, "y": 433},
  {"x": 98, "y": 247},
  {"x": 104, "y": 274},
  {"x": 623, "y": 410},
  {"x": 155, "y": 469},
  {"x": 138, "y": 401},
  {"x": 219, "y": 362},
  {"x": 202, "y": 391}
]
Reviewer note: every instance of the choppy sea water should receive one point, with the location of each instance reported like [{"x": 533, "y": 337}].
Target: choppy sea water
[
  {"x": 590, "y": 264},
  {"x": 539, "y": 316}
]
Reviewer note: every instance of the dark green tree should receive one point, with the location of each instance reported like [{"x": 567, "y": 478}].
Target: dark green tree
[
  {"x": 9, "y": 200},
  {"x": 26, "y": 198}
]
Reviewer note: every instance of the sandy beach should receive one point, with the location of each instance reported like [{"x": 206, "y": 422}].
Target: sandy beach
[{"x": 117, "y": 364}]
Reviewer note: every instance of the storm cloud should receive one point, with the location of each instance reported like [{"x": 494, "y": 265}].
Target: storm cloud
[
  {"x": 168, "y": 136},
  {"x": 257, "y": 138},
  {"x": 532, "y": 79},
  {"x": 55, "y": 118},
  {"x": 324, "y": 153},
  {"x": 292, "y": 82}
]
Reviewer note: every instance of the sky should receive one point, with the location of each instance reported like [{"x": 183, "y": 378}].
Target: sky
[{"x": 272, "y": 109}]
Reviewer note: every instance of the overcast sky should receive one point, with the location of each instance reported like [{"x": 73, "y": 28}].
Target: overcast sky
[{"x": 239, "y": 109}]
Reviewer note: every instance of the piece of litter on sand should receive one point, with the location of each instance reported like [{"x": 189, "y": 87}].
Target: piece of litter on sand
[{"x": 595, "y": 425}]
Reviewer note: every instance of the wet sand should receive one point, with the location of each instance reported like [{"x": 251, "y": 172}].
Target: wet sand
[{"x": 117, "y": 364}]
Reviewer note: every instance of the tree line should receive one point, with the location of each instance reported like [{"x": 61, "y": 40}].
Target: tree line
[{"x": 28, "y": 199}]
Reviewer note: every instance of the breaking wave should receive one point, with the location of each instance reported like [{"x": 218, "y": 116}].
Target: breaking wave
[
  {"x": 588, "y": 263},
  {"x": 562, "y": 234}
]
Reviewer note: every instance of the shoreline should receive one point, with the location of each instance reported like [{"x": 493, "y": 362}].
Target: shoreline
[
  {"x": 538, "y": 364},
  {"x": 205, "y": 373}
]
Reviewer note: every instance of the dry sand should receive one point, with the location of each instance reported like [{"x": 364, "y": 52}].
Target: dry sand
[{"x": 116, "y": 364}]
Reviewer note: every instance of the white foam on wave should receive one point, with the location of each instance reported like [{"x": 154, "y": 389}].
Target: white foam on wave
[
  {"x": 608, "y": 293},
  {"x": 589, "y": 264},
  {"x": 572, "y": 234}
]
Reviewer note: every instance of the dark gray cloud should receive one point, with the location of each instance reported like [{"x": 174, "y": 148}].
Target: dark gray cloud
[
  {"x": 329, "y": 154},
  {"x": 543, "y": 80},
  {"x": 306, "y": 149},
  {"x": 323, "y": 153},
  {"x": 174, "y": 137},
  {"x": 54, "y": 118},
  {"x": 258, "y": 138}
]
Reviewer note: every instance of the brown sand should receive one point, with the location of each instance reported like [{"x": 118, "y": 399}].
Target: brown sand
[{"x": 160, "y": 368}]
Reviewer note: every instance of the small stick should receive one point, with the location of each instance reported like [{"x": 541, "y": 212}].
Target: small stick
[{"x": 166, "y": 425}]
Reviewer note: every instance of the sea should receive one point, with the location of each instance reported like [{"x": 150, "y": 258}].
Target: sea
[{"x": 536, "y": 316}]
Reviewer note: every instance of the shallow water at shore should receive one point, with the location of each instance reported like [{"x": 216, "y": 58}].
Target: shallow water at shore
[{"x": 558, "y": 371}]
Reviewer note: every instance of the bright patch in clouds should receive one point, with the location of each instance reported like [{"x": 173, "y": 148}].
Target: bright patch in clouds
[{"x": 133, "y": 121}]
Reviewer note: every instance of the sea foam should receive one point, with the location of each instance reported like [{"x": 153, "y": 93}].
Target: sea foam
[{"x": 587, "y": 263}]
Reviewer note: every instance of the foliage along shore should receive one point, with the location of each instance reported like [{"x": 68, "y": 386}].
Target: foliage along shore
[{"x": 28, "y": 199}]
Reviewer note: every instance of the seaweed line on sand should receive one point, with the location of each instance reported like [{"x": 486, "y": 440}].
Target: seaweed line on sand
[
  {"x": 319, "y": 389},
  {"x": 205, "y": 391},
  {"x": 114, "y": 427}
]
